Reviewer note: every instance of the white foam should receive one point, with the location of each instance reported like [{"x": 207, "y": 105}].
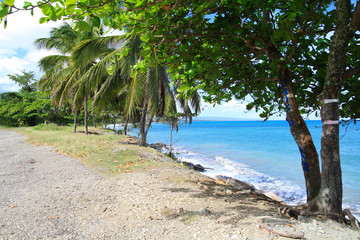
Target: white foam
[
  {"x": 287, "y": 190},
  {"x": 290, "y": 192}
]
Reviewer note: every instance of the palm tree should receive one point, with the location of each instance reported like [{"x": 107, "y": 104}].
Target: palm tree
[
  {"x": 145, "y": 94},
  {"x": 61, "y": 73}
]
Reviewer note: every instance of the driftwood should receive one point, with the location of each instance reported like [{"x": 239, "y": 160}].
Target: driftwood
[{"x": 295, "y": 235}]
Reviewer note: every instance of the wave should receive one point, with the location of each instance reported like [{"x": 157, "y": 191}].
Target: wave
[{"x": 291, "y": 193}]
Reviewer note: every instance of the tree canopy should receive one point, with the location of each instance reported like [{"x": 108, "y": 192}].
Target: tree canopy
[{"x": 28, "y": 107}]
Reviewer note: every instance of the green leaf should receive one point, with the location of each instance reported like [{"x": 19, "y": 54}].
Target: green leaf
[
  {"x": 126, "y": 51},
  {"x": 3, "y": 10},
  {"x": 139, "y": 3},
  {"x": 9, "y": 2},
  {"x": 82, "y": 26},
  {"x": 53, "y": 15},
  {"x": 70, "y": 9},
  {"x": 96, "y": 21},
  {"x": 60, "y": 12},
  {"x": 70, "y": 2},
  {"x": 111, "y": 69},
  {"x": 42, "y": 20},
  {"x": 27, "y": 4},
  {"x": 46, "y": 9},
  {"x": 292, "y": 16}
]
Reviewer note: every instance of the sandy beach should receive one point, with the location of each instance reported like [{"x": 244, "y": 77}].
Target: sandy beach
[{"x": 47, "y": 195}]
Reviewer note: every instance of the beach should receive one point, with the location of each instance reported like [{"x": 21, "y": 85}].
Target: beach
[
  {"x": 262, "y": 153},
  {"x": 48, "y": 195}
]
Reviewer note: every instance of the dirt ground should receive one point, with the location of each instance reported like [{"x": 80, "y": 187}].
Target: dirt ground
[{"x": 45, "y": 195}]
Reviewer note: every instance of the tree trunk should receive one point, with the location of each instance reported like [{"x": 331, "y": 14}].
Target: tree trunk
[
  {"x": 94, "y": 119},
  {"x": 298, "y": 128},
  {"x": 75, "y": 121},
  {"x": 144, "y": 111},
  {"x": 330, "y": 197},
  {"x": 171, "y": 133},
  {"x": 302, "y": 137},
  {"x": 125, "y": 129},
  {"x": 86, "y": 115},
  {"x": 149, "y": 124}
]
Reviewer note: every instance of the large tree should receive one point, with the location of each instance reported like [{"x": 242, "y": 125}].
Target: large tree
[{"x": 274, "y": 51}]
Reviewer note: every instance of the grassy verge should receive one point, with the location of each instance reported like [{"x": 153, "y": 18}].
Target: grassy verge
[{"x": 106, "y": 152}]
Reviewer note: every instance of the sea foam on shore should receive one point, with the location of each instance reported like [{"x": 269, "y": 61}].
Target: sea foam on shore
[{"x": 291, "y": 193}]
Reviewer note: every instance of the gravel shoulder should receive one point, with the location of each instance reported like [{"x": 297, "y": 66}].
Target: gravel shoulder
[{"x": 46, "y": 195}]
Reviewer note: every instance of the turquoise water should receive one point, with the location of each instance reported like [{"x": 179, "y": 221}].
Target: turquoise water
[{"x": 262, "y": 153}]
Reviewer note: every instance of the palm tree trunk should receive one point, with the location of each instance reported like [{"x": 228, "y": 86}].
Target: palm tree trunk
[
  {"x": 75, "y": 121},
  {"x": 149, "y": 124},
  {"x": 86, "y": 115},
  {"x": 172, "y": 128},
  {"x": 94, "y": 119},
  {"x": 144, "y": 111},
  {"x": 125, "y": 128}
]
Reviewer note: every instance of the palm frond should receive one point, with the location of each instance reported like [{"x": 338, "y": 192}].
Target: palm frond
[
  {"x": 135, "y": 95},
  {"x": 62, "y": 39},
  {"x": 54, "y": 63},
  {"x": 91, "y": 49}
]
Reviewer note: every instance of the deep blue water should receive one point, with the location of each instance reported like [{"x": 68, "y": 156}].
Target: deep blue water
[{"x": 262, "y": 153}]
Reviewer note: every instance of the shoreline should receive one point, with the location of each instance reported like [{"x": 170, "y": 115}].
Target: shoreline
[
  {"x": 45, "y": 194},
  {"x": 298, "y": 199}
]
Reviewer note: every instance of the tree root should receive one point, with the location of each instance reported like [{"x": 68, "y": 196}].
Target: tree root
[
  {"x": 298, "y": 235},
  {"x": 345, "y": 217},
  {"x": 353, "y": 221}
]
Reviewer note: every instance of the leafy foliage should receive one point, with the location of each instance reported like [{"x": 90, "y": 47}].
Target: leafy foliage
[{"x": 28, "y": 107}]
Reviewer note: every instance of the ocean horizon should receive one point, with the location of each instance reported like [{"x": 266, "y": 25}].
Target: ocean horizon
[{"x": 261, "y": 153}]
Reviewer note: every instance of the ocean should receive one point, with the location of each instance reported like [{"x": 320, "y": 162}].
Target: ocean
[{"x": 261, "y": 153}]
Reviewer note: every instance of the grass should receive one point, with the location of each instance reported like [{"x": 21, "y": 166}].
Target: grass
[{"x": 98, "y": 151}]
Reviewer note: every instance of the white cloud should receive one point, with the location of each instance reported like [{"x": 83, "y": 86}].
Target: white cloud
[
  {"x": 36, "y": 55},
  {"x": 10, "y": 66},
  {"x": 8, "y": 87},
  {"x": 233, "y": 106},
  {"x": 22, "y": 29},
  {"x": 4, "y": 51},
  {"x": 17, "y": 51},
  {"x": 231, "y": 109}
]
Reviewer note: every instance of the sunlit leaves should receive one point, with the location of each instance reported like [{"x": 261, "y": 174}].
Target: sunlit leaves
[
  {"x": 9, "y": 2},
  {"x": 3, "y": 10},
  {"x": 82, "y": 26},
  {"x": 27, "y": 5},
  {"x": 70, "y": 2}
]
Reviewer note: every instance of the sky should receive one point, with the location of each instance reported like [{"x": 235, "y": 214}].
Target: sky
[{"x": 17, "y": 53}]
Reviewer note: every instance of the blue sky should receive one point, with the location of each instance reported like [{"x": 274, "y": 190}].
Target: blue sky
[{"x": 17, "y": 53}]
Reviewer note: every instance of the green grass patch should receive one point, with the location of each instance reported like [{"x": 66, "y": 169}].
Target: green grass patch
[{"x": 99, "y": 151}]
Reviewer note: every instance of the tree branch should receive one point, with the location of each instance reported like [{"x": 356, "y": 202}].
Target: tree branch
[
  {"x": 351, "y": 72},
  {"x": 355, "y": 20}
]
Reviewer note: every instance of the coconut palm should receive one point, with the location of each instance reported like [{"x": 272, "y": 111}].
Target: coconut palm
[
  {"x": 145, "y": 94},
  {"x": 61, "y": 73}
]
